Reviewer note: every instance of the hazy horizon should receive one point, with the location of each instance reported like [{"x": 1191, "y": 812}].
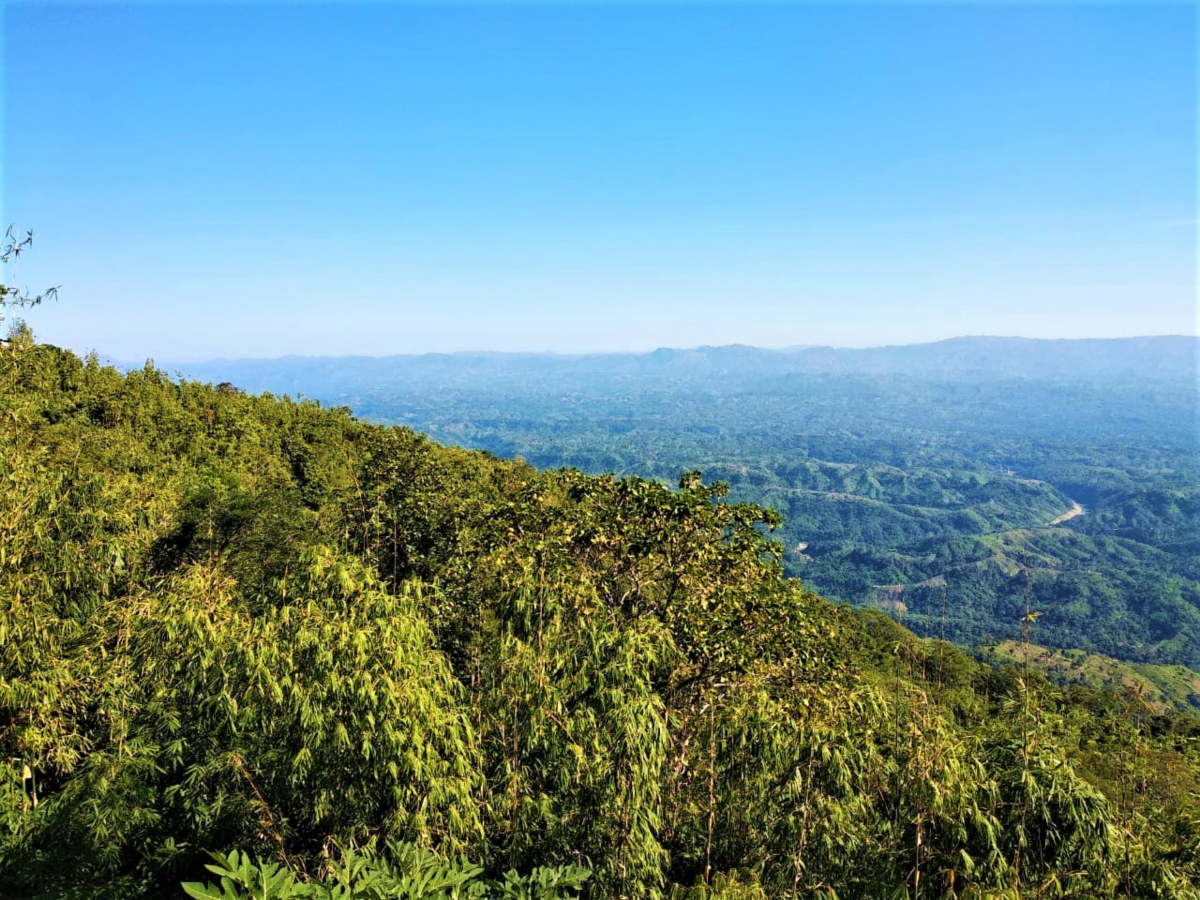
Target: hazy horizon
[
  {"x": 484, "y": 351},
  {"x": 253, "y": 181},
  {"x": 46, "y": 315}
]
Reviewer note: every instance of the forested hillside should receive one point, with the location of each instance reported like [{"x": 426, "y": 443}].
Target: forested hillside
[
  {"x": 943, "y": 481},
  {"x": 356, "y": 663}
]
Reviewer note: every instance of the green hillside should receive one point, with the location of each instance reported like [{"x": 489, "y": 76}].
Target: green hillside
[
  {"x": 1160, "y": 687},
  {"x": 381, "y": 667},
  {"x": 944, "y": 471}
]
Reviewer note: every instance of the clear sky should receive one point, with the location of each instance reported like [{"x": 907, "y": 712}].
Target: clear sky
[{"x": 254, "y": 180}]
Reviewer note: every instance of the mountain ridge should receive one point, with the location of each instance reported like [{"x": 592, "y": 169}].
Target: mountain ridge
[
  {"x": 1165, "y": 357},
  {"x": 790, "y": 350}
]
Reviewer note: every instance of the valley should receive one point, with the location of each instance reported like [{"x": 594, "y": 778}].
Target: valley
[{"x": 967, "y": 473}]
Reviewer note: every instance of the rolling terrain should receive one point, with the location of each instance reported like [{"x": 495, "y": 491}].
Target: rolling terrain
[
  {"x": 263, "y": 642},
  {"x": 944, "y": 482}
]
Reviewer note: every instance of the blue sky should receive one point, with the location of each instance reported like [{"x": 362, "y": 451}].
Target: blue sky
[{"x": 255, "y": 180}]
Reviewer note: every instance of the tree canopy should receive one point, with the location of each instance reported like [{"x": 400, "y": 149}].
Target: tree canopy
[{"x": 344, "y": 658}]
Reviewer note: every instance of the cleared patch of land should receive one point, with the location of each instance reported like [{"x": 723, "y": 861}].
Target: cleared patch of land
[{"x": 1075, "y": 510}]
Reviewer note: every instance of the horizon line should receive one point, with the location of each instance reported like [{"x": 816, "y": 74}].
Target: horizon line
[{"x": 791, "y": 348}]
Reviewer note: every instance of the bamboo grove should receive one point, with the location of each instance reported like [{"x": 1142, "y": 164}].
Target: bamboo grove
[{"x": 325, "y": 658}]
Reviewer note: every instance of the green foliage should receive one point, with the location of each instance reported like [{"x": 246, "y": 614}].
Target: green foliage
[
  {"x": 263, "y": 630},
  {"x": 401, "y": 872},
  {"x": 922, "y": 480},
  {"x": 724, "y": 886},
  {"x": 11, "y": 296},
  {"x": 1162, "y": 687}
]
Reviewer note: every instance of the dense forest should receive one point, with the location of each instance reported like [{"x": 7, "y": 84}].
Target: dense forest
[
  {"x": 254, "y": 646},
  {"x": 942, "y": 482}
]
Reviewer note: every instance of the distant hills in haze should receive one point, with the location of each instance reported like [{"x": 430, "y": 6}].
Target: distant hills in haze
[{"x": 970, "y": 358}]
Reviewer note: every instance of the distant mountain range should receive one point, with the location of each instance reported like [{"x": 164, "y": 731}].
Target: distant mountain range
[
  {"x": 950, "y": 482},
  {"x": 1172, "y": 357}
]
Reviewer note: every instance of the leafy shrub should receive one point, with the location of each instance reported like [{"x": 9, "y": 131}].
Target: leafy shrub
[{"x": 404, "y": 872}]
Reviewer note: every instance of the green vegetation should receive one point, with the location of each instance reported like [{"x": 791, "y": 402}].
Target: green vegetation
[
  {"x": 930, "y": 478},
  {"x": 402, "y": 872},
  {"x": 1159, "y": 687},
  {"x": 350, "y": 662}
]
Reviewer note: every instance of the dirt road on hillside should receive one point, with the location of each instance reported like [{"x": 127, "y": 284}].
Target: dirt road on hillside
[{"x": 1075, "y": 510}]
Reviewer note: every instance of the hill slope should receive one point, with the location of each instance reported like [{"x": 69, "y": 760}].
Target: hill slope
[
  {"x": 936, "y": 469},
  {"x": 230, "y": 621},
  {"x": 1161, "y": 687}
]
